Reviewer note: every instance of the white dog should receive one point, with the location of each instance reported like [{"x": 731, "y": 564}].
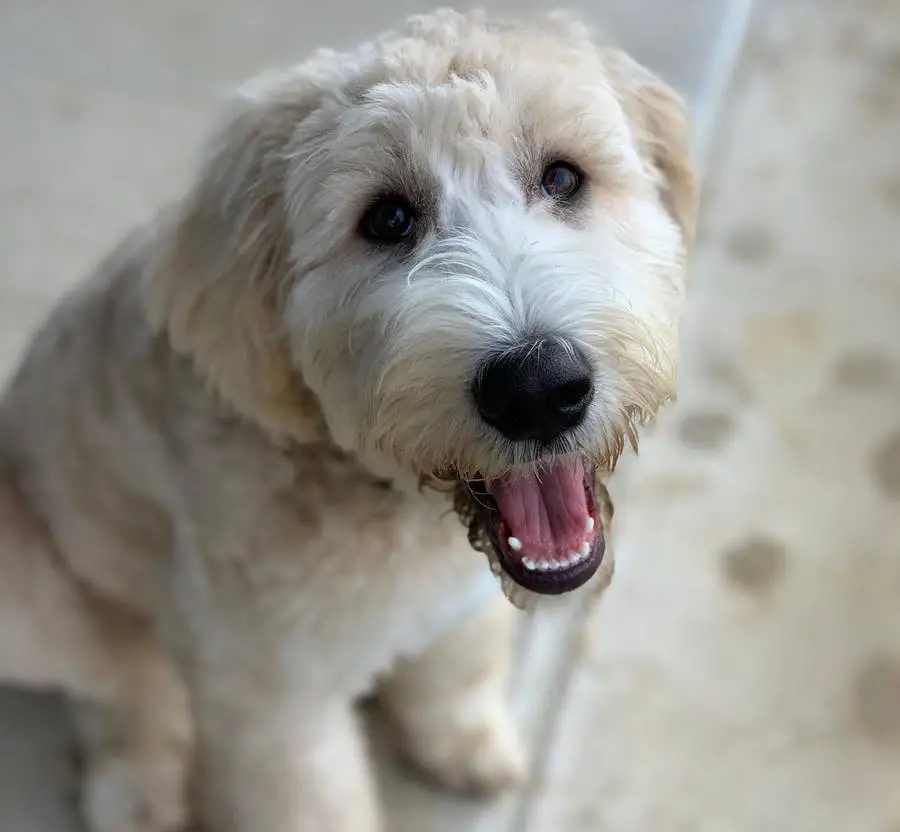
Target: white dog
[{"x": 443, "y": 270}]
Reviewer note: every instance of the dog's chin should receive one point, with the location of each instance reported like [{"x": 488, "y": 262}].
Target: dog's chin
[{"x": 543, "y": 529}]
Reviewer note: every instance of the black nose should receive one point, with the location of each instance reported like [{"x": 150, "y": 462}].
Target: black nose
[{"x": 534, "y": 392}]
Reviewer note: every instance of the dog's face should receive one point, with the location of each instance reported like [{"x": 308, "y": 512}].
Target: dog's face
[{"x": 461, "y": 249}]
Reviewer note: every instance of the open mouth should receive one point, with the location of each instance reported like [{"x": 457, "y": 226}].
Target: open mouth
[{"x": 545, "y": 526}]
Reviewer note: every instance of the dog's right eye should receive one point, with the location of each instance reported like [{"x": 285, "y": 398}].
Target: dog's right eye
[
  {"x": 390, "y": 220},
  {"x": 561, "y": 181}
]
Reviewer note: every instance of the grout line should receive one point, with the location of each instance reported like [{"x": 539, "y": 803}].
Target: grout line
[
  {"x": 545, "y": 664},
  {"x": 555, "y": 697},
  {"x": 720, "y": 72}
]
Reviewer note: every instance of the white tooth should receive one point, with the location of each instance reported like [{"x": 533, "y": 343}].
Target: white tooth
[
  {"x": 543, "y": 566},
  {"x": 574, "y": 557},
  {"x": 585, "y": 549},
  {"x": 515, "y": 544},
  {"x": 589, "y": 525},
  {"x": 528, "y": 563}
]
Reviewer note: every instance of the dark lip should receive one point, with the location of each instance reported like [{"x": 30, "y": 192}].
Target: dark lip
[
  {"x": 559, "y": 582},
  {"x": 542, "y": 583}
]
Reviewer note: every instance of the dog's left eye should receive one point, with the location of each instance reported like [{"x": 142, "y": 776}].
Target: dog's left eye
[
  {"x": 561, "y": 181},
  {"x": 390, "y": 220}
]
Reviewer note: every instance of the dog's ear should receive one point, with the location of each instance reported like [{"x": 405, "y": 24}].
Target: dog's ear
[
  {"x": 659, "y": 118},
  {"x": 221, "y": 260}
]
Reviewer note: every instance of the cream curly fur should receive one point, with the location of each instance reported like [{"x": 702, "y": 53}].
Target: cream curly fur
[{"x": 211, "y": 531}]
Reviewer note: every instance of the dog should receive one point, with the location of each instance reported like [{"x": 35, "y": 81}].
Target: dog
[{"x": 437, "y": 277}]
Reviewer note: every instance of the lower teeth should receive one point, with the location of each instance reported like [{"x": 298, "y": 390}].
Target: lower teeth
[{"x": 555, "y": 565}]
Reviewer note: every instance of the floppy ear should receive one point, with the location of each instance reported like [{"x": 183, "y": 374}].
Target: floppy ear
[
  {"x": 222, "y": 258},
  {"x": 659, "y": 117}
]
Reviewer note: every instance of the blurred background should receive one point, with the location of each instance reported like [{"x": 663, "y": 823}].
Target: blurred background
[{"x": 743, "y": 673}]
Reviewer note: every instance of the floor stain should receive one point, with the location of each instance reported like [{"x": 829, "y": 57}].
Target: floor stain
[
  {"x": 890, "y": 190},
  {"x": 862, "y": 370},
  {"x": 886, "y": 466},
  {"x": 876, "y": 693},
  {"x": 752, "y": 244},
  {"x": 706, "y": 431},
  {"x": 755, "y": 564}
]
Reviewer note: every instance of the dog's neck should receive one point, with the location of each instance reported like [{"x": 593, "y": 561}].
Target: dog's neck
[{"x": 298, "y": 450}]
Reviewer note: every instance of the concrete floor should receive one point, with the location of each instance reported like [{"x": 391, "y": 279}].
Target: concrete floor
[{"x": 744, "y": 672}]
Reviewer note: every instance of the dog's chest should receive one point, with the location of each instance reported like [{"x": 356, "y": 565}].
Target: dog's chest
[
  {"x": 381, "y": 603},
  {"x": 366, "y": 575}
]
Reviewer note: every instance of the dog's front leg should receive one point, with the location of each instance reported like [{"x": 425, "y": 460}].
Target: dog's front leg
[
  {"x": 269, "y": 761},
  {"x": 450, "y": 705},
  {"x": 278, "y": 747}
]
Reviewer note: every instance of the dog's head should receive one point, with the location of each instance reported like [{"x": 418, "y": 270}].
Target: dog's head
[{"x": 459, "y": 251}]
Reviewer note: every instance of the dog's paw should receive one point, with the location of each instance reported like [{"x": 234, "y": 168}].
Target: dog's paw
[
  {"x": 121, "y": 797},
  {"x": 482, "y": 758}
]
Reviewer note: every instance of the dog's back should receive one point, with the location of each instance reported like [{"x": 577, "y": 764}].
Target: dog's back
[
  {"x": 79, "y": 428},
  {"x": 75, "y": 451}
]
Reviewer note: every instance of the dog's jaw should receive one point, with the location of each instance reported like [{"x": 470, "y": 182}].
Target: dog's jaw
[{"x": 525, "y": 581}]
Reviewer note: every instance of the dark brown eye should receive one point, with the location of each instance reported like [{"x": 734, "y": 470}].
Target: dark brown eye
[
  {"x": 561, "y": 181},
  {"x": 390, "y": 220}
]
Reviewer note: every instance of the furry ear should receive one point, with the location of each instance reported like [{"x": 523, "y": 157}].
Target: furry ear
[
  {"x": 222, "y": 258},
  {"x": 659, "y": 117}
]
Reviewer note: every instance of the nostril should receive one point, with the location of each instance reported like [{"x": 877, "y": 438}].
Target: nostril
[
  {"x": 491, "y": 395},
  {"x": 572, "y": 395}
]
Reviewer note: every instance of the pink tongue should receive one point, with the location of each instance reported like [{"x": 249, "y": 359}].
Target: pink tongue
[{"x": 546, "y": 512}]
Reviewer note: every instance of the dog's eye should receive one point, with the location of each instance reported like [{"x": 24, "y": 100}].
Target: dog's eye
[
  {"x": 561, "y": 181},
  {"x": 390, "y": 220}
]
